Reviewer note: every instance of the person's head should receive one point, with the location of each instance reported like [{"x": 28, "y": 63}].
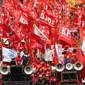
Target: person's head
[
  {"x": 25, "y": 51},
  {"x": 40, "y": 71},
  {"x": 13, "y": 59},
  {"x": 74, "y": 50},
  {"x": 43, "y": 76}
]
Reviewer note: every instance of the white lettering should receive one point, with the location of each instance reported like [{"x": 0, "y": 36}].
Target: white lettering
[
  {"x": 63, "y": 30},
  {"x": 22, "y": 20},
  {"x": 83, "y": 24},
  {"x": 68, "y": 33},
  {"x": 42, "y": 16},
  {"x": 46, "y": 18},
  {"x": 49, "y": 20}
]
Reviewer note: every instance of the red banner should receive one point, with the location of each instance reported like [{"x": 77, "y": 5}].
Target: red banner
[
  {"x": 47, "y": 19},
  {"x": 64, "y": 35}
]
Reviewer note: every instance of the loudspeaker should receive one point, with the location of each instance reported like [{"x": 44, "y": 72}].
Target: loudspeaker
[
  {"x": 5, "y": 70},
  {"x": 78, "y": 66},
  {"x": 59, "y": 67},
  {"x": 69, "y": 66},
  {"x": 69, "y": 76},
  {"x": 16, "y": 76}
]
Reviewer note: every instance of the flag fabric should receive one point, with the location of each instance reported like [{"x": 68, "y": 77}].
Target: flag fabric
[
  {"x": 22, "y": 19},
  {"x": 59, "y": 54},
  {"x": 65, "y": 35},
  {"x": 47, "y": 15},
  {"x": 18, "y": 32},
  {"x": 47, "y": 18},
  {"x": 80, "y": 56},
  {"x": 67, "y": 15},
  {"x": 49, "y": 54},
  {"x": 45, "y": 30},
  {"x": 6, "y": 30},
  {"x": 83, "y": 46},
  {"x": 55, "y": 58},
  {"x": 82, "y": 33},
  {"x": 36, "y": 42},
  {"x": 8, "y": 54},
  {"x": 38, "y": 32}
]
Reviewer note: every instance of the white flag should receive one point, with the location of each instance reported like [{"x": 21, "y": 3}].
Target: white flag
[
  {"x": 8, "y": 54},
  {"x": 83, "y": 46},
  {"x": 49, "y": 55}
]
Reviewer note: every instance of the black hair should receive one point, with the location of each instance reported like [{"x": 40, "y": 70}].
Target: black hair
[
  {"x": 74, "y": 50},
  {"x": 21, "y": 1}
]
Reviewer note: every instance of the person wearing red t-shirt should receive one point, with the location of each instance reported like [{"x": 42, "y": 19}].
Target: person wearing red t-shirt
[{"x": 19, "y": 59}]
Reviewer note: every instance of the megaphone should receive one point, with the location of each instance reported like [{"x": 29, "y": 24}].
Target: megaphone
[
  {"x": 78, "y": 66},
  {"x": 69, "y": 66},
  {"x": 4, "y": 70},
  {"x": 29, "y": 70},
  {"x": 59, "y": 67}
]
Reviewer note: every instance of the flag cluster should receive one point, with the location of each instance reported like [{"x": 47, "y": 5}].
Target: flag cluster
[{"x": 37, "y": 23}]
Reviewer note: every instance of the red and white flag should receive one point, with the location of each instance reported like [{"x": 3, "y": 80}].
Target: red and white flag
[
  {"x": 40, "y": 33},
  {"x": 22, "y": 19},
  {"x": 65, "y": 35},
  {"x": 47, "y": 18}
]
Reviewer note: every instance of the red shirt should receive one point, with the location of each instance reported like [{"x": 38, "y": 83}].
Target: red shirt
[
  {"x": 34, "y": 78},
  {"x": 19, "y": 60},
  {"x": 68, "y": 55},
  {"x": 0, "y": 46}
]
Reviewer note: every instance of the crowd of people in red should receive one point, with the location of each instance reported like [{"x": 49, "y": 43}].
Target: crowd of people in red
[{"x": 53, "y": 19}]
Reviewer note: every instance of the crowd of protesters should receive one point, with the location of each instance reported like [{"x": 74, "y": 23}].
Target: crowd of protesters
[{"x": 44, "y": 75}]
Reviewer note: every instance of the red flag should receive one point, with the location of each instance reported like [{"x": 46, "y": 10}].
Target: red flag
[
  {"x": 47, "y": 18},
  {"x": 6, "y": 30},
  {"x": 75, "y": 19},
  {"x": 22, "y": 19},
  {"x": 67, "y": 15},
  {"x": 36, "y": 44},
  {"x": 55, "y": 59},
  {"x": 80, "y": 56},
  {"x": 17, "y": 30},
  {"x": 64, "y": 35},
  {"x": 41, "y": 33}
]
